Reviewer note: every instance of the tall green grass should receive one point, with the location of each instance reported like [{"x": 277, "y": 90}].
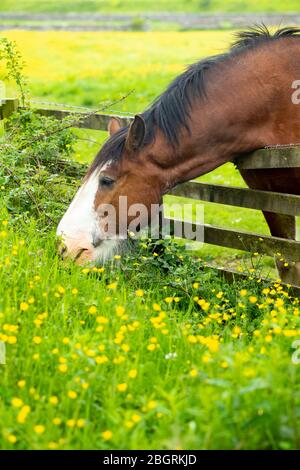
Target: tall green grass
[{"x": 148, "y": 353}]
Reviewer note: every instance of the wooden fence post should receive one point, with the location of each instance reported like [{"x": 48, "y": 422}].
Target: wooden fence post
[{"x": 8, "y": 107}]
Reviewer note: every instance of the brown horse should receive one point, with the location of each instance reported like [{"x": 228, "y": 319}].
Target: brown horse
[{"x": 219, "y": 108}]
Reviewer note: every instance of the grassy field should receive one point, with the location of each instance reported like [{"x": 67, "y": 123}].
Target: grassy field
[
  {"x": 140, "y": 6},
  {"x": 150, "y": 351},
  {"x": 142, "y": 357}
]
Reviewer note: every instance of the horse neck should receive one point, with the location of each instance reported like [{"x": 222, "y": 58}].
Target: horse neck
[{"x": 248, "y": 107}]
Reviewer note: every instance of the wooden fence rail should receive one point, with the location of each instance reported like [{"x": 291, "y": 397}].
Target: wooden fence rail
[
  {"x": 95, "y": 121},
  {"x": 238, "y": 239},
  {"x": 241, "y": 197},
  {"x": 221, "y": 194}
]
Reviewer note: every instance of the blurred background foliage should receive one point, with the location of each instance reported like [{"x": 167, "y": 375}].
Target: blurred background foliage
[{"x": 138, "y": 6}]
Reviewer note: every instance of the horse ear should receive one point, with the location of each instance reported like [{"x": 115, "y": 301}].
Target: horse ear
[
  {"x": 136, "y": 134},
  {"x": 114, "y": 125}
]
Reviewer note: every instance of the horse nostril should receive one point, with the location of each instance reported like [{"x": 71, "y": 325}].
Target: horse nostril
[
  {"x": 62, "y": 249},
  {"x": 79, "y": 253}
]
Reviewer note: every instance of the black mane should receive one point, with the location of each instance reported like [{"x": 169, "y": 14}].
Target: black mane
[{"x": 171, "y": 110}]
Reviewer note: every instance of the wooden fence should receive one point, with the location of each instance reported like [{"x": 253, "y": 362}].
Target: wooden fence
[{"x": 221, "y": 194}]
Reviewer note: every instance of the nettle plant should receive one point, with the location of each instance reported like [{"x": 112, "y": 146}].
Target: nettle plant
[{"x": 37, "y": 175}]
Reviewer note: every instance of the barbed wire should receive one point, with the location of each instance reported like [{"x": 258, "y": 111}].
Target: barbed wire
[{"x": 72, "y": 106}]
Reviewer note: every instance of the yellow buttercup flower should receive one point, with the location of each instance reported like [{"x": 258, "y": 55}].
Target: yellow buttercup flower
[
  {"x": 112, "y": 285},
  {"x": 139, "y": 293},
  {"x": 120, "y": 311},
  {"x": 119, "y": 359},
  {"x": 151, "y": 405},
  {"x": 24, "y": 306},
  {"x": 236, "y": 331},
  {"x": 193, "y": 372},
  {"x": 25, "y": 410},
  {"x": 39, "y": 429},
  {"x": 16, "y": 402},
  {"x": 52, "y": 445},
  {"x": 213, "y": 344},
  {"x": 93, "y": 310},
  {"x": 290, "y": 333},
  {"x": 101, "y": 359},
  {"x": 102, "y": 320},
  {"x": 129, "y": 424},
  {"x": 132, "y": 373},
  {"x": 71, "y": 423},
  {"x": 136, "y": 418},
  {"x": 107, "y": 435},
  {"x": 122, "y": 387}
]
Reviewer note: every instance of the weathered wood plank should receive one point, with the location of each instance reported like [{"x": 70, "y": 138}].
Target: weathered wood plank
[
  {"x": 241, "y": 197},
  {"x": 276, "y": 157},
  {"x": 239, "y": 240},
  {"x": 96, "y": 121},
  {"x": 7, "y": 107}
]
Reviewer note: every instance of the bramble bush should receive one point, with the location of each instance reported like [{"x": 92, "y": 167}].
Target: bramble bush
[{"x": 37, "y": 175}]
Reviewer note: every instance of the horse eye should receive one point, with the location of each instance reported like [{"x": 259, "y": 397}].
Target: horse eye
[{"x": 105, "y": 182}]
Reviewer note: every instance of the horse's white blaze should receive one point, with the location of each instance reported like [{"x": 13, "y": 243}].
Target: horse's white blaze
[
  {"x": 80, "y": 217},
  {"x": 79, "y": 227}
]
